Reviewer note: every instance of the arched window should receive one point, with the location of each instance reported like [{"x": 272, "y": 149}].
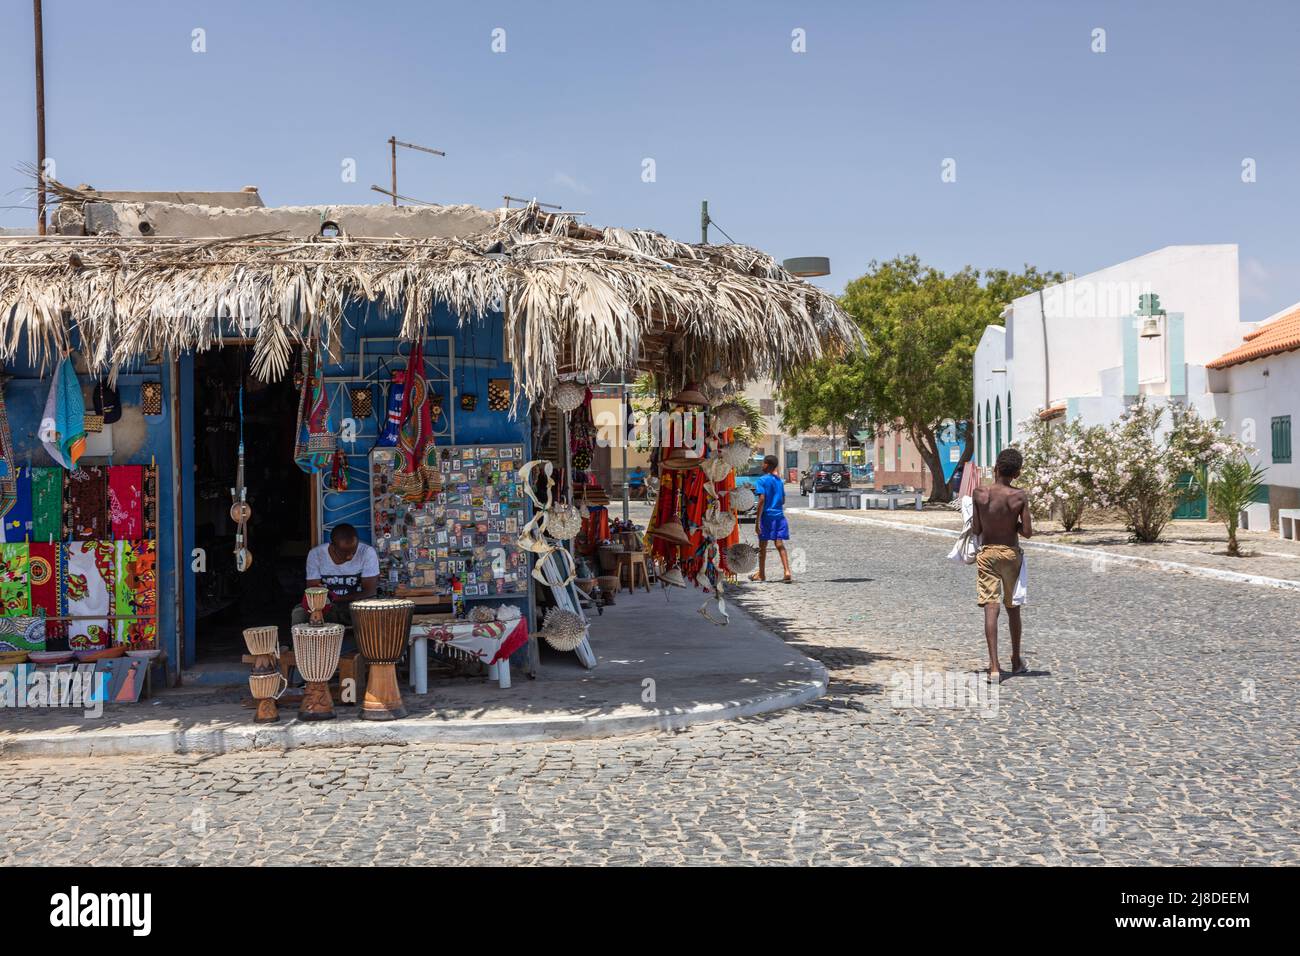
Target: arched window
[
  {"x": 997, "y": 422},
  {"x": 979, "y": 445},
  {"x": 988, "y": 433}
]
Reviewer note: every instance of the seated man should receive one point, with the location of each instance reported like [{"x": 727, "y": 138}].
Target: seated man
[
  {"x": 636, "y": 483},
  {"x": 348, "y": 568}
]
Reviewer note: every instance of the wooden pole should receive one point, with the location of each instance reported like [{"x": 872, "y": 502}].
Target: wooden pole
[
  {"x": 392, "y": 141},
  {"x": 39, "y": 33}
]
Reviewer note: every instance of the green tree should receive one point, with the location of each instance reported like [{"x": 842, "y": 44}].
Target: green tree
[{"x": 921, "y": 328}]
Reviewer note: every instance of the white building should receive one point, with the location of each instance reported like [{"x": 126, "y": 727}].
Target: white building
[
  {"x": 1257, "y": 390},
  {"x": 1077, "y": 349}
]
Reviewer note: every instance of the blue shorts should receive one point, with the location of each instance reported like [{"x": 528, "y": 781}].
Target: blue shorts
[{"x": 773, "y": 528}]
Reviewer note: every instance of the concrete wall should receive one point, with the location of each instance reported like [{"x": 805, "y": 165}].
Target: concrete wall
[{"x": 1249, "y": 396}]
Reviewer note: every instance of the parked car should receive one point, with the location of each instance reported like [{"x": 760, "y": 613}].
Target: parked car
[
  {"x": 747, "y": 475},
  {"x": 826, "y": 476}
]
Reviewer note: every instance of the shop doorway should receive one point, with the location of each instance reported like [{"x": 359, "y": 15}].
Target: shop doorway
[{"x": 279, "y": 493}]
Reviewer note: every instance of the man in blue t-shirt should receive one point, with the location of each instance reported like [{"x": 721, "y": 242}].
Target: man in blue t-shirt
[{"x": 771, "y": 519}]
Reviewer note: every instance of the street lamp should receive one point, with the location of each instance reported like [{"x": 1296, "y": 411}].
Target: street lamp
[{"x": 807, "y": 267}]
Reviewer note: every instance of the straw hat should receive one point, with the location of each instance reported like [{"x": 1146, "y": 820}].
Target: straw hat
[
  {"x": 674, "y": 577},
  {"x": 676, "y": 459},
  {"x": 691, "y": 395},
  {"x": 671, "y": 531},
  {"x": 742, "y": 558}
]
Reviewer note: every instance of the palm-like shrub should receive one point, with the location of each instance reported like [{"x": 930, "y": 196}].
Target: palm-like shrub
[{"x": 1233, "y": 486}]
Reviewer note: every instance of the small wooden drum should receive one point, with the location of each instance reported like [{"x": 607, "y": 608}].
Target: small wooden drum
[
  {"x": 316, "y": 650},
  {"x": 382, "y": 627},
  {"x": 266, "y": 689},
  {"x": 317, "y": 598},
  {"x": 263, "y": 640}
]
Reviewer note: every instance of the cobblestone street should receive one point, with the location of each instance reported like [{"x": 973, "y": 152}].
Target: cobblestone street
[{"x": 1158, "y": 725}]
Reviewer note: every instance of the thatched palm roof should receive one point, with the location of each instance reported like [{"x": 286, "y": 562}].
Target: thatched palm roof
[{"x": 575, "y": 298}]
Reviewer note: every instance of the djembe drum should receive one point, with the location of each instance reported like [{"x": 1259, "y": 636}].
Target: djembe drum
[
  {"x": 317, "y": 598},
  {"x": 265, "y": 683},
  {"x": 316, "y": 650},
  {"x": 266, "y": 689},
  {"x": 382, "y": 626}
]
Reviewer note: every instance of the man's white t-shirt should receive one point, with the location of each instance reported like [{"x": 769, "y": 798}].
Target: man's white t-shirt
[{"x": 342, "y": 578}]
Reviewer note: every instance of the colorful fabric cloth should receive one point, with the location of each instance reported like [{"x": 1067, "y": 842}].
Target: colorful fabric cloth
[
  {"x": 417, "y": 421},
  {"x": 149, "y": 504},
  {"x": 135, "y": 592},
  {"x": 489, "y": 643},
  {"x": 90, "y": 574},
  {"x": 22, "y": 634},
  {"x": 47, "y": 504},
  {"x": 393, "y": 415},
  {"x": 126, "y": 501},
  {"x": 15, "y": 591},
  {"x": 316, "y": 441},
  {"x": 86, "y": 511},
  {"x": 63, "y": 423},
  {"x": 18, "y": 517},
  {"x": 47, "y": 575}
]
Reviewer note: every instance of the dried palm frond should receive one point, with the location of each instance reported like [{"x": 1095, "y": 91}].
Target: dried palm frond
[{"x": 596, "y": 299}]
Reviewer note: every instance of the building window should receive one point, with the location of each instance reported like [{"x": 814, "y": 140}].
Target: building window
[
  {"x": 988, "y": 433},
  {"x": 1282, "y": 440},
  {"x": 997, "y": 422},
  {"x": 766, "y": 406},
  {"x": 979, "y": 442}
]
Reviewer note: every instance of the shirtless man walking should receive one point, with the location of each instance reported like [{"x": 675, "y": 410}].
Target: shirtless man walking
[{"x": 1001, "y": 516}]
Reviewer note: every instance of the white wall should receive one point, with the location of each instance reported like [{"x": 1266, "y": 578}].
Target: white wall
[
  {"x": 1085, "y": 336},
  {"x": 1252, "y": 399}
]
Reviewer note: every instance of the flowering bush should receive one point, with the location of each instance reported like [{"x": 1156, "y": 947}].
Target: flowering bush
[
  {"x": 1058, "y": 473},
  {"x": 1145, "y": 468}
]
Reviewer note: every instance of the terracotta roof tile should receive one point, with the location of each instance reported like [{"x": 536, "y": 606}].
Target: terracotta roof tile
[{"x": 1280, "y": 335}]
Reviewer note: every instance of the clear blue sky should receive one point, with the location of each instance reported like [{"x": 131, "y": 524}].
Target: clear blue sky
[{"x": 1066, "y": 158}]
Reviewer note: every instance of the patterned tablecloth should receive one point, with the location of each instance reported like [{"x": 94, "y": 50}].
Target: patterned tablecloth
[{"x": 491, "y": 642}]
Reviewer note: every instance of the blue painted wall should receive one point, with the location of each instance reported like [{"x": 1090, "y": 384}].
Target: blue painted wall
[{"x": 25, "y": 398}]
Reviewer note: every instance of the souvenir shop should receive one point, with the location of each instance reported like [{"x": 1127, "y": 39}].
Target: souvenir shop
[{"x": 164, "y": 480}]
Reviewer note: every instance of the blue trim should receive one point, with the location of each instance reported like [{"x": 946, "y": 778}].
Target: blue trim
[
  {"x": 1129, "y": 334},
  {"x": 189, "y": 594},
  {"x": 1177, "y": 355}
]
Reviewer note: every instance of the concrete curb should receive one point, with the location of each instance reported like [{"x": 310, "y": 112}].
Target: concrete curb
[
  {"x": 1092, "y": 554},
  {"x": 351, "y": 732}
]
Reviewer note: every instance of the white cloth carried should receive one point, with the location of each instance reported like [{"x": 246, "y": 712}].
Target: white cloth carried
[
  {"x": 1020, "y": 596},
  {"x": 968, "y": 543}
]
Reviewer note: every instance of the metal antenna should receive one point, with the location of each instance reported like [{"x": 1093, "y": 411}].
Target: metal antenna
[{"x": 393, "y": 143}]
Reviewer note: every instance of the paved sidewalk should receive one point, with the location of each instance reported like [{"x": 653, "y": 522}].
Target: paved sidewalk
[{"x": 661, "y": 667}]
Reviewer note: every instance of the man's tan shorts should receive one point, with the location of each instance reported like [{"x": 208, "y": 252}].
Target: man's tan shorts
[{"x": 997, "y": 570}]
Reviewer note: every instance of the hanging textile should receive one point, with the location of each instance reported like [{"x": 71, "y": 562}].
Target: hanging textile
[
  {"x": 393, "y": 413},
  {"x": 15, "y": 592},
  {"x": 22, "y": 634},
  {"x": 126, "y": 501},
  {"x": 18, "y": 517},
  {"x": 47, "y": 503},
  {"x": 86, "y": 504},
  {"x": 47, "y": 575},
  {"x": 149, "y": 502},
  {"x": 63, "y": 423},
  {"x": 135, "y": 592},
  {"x": 90, "y": 592},
  {"x": 316, "y": 441},
  {"x": 417, "y": 425}
]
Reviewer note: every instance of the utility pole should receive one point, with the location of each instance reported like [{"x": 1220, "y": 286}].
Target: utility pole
[
  {"x": 40, "y": 116},
  {"x": 704, "y": 222}
]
